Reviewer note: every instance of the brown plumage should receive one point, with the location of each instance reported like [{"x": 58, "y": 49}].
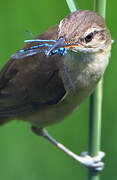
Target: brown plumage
[
  {"x": 29, "y": 84},
  {"x": 35, "y": 88}
]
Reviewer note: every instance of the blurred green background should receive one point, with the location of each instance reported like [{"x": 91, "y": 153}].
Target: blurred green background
[{"x": 25, "y": 156}]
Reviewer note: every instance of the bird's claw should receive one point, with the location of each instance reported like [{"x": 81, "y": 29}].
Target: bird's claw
[{"x": 93, "y": 162}]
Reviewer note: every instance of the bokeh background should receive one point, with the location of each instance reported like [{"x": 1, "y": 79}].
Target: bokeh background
[{"x": 25, "y": 156}]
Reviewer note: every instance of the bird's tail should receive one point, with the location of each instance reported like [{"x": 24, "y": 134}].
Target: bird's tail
[{"x": 3, "y": 120}]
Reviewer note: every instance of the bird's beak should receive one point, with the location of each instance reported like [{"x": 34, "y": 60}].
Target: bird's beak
[{"x": 61, "y": 43}]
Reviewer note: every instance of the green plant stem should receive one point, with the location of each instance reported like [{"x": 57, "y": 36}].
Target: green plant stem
[
  {"x": 95, "y": 99},
  {"x": 95, "y": 108},
  {"x": 95, "y": 114},
  {"x": 95, "y": 126},
  {"x": 100, "y": 7},
  {"x": 73, "y": 6}
]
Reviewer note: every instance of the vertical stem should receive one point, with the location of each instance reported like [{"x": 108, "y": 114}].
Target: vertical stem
[
  {"x": 95, "y": 108},
  {"x": 73, "y": 6},
  {"x": 95, "y": 127},
  {"x": 100, "y": 7},
  {"x": 95, "y": 99},
  {"x": 95, "y": 120}
]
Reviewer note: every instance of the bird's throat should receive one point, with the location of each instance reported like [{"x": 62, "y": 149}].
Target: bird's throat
[{"x": 85, "y": 69}]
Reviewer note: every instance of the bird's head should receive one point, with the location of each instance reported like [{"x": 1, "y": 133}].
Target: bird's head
[{"x": 84, "y": 31}]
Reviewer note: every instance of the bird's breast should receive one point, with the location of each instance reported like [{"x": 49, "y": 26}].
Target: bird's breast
[
  {"x": 85, "y": 69},
  {"x": 85, "y": 72}
]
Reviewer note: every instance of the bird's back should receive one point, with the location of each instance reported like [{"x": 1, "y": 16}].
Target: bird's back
[{"x": 30, "y": 84}]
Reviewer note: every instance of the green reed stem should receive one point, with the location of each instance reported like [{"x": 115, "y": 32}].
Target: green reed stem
[
  {"x": 73, "y": 6},
  {"x": 95, "y": 99},
  {"x": 96, "y": 108}
]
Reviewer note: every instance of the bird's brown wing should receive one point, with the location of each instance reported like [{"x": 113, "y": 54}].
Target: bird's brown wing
[{"x": 31, "y": 83}]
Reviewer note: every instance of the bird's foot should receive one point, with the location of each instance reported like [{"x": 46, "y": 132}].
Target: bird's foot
[{"x": 94, "y": 163}]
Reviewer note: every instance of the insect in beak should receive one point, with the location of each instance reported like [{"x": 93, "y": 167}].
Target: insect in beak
[{"x": 59, "y": 45}]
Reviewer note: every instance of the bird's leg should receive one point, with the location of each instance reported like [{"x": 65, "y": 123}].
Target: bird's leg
[{"x": 90, "y": 162}]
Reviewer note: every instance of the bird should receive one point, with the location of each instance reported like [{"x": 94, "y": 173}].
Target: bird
[{"x": 54, "y": 73}]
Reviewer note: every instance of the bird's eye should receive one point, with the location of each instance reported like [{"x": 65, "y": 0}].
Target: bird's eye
[{"x": 89, "y": 37}]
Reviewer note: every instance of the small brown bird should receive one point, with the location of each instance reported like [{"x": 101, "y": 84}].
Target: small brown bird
[{"x": 44, "y": 82}]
